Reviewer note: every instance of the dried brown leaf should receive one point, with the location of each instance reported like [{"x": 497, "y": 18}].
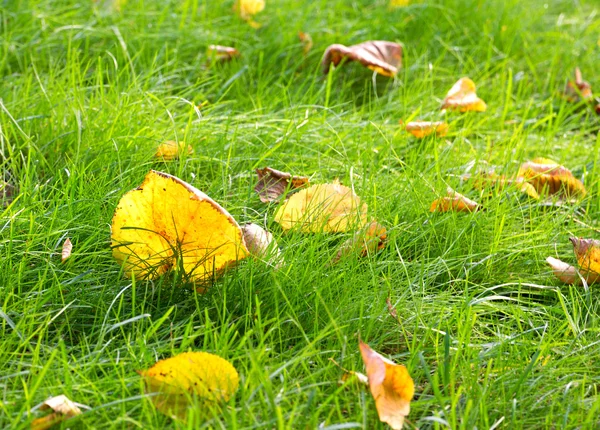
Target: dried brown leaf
[
  {"x": 261, "y": 244},
  {"x": 548, "y": 176},
  {"x": 380, "y": 56},
  {"x": 454, "y": 202},
  {"x": 462, "y": 97},
  {"x": 421, "y": 129},
  {"x": 66, "y": 249},
  {"x": 578, "y": 90},
  {"x": 273, "y": 183},
  {"x": 221, "y": 54},
  {"x": 368, "y": 240},
  {"x": 63, "y": 409}
]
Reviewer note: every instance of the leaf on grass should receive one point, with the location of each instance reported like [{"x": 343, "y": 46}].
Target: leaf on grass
[
  {"x": 171, "y": 150},
  {"x": 380, "y": 56},
  {"x": 66, "y": 249},
  {"x": 486, "y": 179},
  {"x": 578, "y": 90},
  {"x": 222, "y": 54},
  {"x": 63, "y": 409},
  {"x": 307, "y": 42},
  {"x": 329, "y": 208},
  {"x": 368, "y": 240},
  {"x": 174, "y": 382},
  {"x": 587, "y": 252},
  {"x": 274, "y": 183},
  {"x": 454, "y": 202},
  {"x": 549, "y": 176},
  {"x": 462, "y": 97},
  {"x": 260, "y": 244},
  {"x": 391, "y": 387},
  {"x": 167, "y": 223},
  {"x": 421, "y": 129},
  {"x": 399, "y": 3},
  {"x": 246, "y": 9}
]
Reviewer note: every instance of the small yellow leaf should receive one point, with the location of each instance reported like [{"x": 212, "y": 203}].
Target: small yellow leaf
[
  {"x": 176, "y": 380},
  {"x": 485, "y": 179},
  {"x": 462, "y": 97},
  {"x": 399, "y": 3},
  {"x": 63, "y": 409},
  {"x": 454, "y": 202},
  {"x": 421, "y": 129},
  {"x": 168, "y": 223},
  {"x": 323, "y": 208},
  {"x": 170, "y": 150},
  {"x": 66, "y": 249},
  {"x": 548, "y": 176},
  {"x": 391, "y": 387},
  {"x": 380, "y": 56},
  {"x": 246, "y": 9}
]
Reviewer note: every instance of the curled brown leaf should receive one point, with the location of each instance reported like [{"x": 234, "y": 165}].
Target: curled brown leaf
[
  {"x": 274, "y": 183},
  {"x": 221, "y": 54},
  {"x": 380, "y": 56}
]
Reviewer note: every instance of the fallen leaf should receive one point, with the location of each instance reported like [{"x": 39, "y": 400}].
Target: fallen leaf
[
  {"x": 170, "y": 150},
  {"x": 66, "y": 249},
  {"x": 366, "y": 241},
  {"x": 274, "y": 183},
  {"x": 380, "y": 56},
  {"x": 260, "y": 243},
  {"x": 454, "y": 202},
  {"x": 486, "y": 179},
  {"x": 563, "y": 271},
  {"x": 221, "y": 54},
  {"x": 422, "y": 129},
  {"x": 307, "y": 42},
  {"x": 246, "y": 9},
  {"x": 63, "y": 409},
  {"x": 323, "y": 208},
  {"x": 391, "y": 387},
  {"x": 399, "y": 3},
  {"x": 175, "y": 381},
  {"x": 578, "y": 90},
  {"x": 166, "y": 223},
  {"x": 462, "y": 97},
  {"x": 587, "y": 252},
  {"x": 549, "y": 176}
]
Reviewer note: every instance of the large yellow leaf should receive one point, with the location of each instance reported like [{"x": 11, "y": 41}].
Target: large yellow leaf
[
  {"x": 246, "y": 9},
  {"x": 175, "y": 381},
  {"x": 462, "y": 97},
  {"x": 391, "y": 387},
  {"x": 168, "y": 223},
  {"x": 323, "y": 208},
  {"x": 549, "y": 176},
  {"x": 380, "y": 56}
]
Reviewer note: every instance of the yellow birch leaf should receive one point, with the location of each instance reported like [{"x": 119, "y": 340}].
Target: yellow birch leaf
[
  {"x": 587, "y": 252},
  {"x": 166, "y": 223},
  {"x": 548, "y": 176},
  {"x": 171, "y": 150},
  {"x": 246, "y": 9},
  {"x": 462, "y": 97},
  {"x": 330, "y": 208},
  {"x": 421, "y": 129},
  {"x": 174, "y": 382},
  {"x": 454, "y": 202},
  {"x": 391, "y": 387}
]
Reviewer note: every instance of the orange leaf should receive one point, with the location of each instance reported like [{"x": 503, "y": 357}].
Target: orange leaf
[
  {"x": 368, "y": 240},
  {"x": 462, "y": 97},
  {"x": 391, "y": 387},
  {"x": 380, "y": 56},
  {"x": 485, "y": 179},
  {"x": 422, "y": 129},
  {"x": 168, "y": 223},
  {"x": 221, "y": 54},
  {"x": 578, "y": 90},
  {"x": 548, "y": 175},
  {"x": 170, "y": 150},
  {"x": 307, "y": 42},
  {"x": 66, "y": 249},
  {"x": 587, "y": 252},
  {"x": 273, "y": 183},
  {"x": 454, "y": 202}
]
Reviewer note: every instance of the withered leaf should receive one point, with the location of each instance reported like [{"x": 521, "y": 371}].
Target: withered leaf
[
  {"x": 578, "y": 90},
  {"x": 462, "y": 97},
  {"x": 486, "y": 179},
  {"x": 221, "y": 54},
  {"x": 273, "y": 183},
  {"x": 307, "y": 42},
  {"x": 63, "y": 409},
  {"x": 261, "y": 244},
  {"x": 548, "y": 176},
  {"x": 454, "y": 202},
  {"x": 369, "y": 239},
  {"x": 380, "y": 56},
  {"x": 66, "y": 249},
  {"x": 421, "y": 129},
  {"x": 587, "y": 252}
]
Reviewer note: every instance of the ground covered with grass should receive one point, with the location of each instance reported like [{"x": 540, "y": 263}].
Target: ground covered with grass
[{"x": 490, "y": 337}]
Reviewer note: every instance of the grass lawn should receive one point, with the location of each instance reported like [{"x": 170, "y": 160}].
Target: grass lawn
[{"x": 490, "y": 337}]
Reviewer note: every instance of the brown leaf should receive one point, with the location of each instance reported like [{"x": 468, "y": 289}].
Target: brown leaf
[
  {"x": 380, "y": 56},
  {"x": 454, "y": 202},
  {"x": 548, "y": 176},
  {"x": 421, "y": 129},
  {"x": 261, "y": 244},
  {"x": 391, "y": 387},
  {"x": 587, "y": 252},
  {"x": 578, "y": 90},
  {"x": 273, "y": 183},
  {"x": 222, "y": 54},
  {"x": 307, "y": 42},
  {"x": 368, "y": 240},
  {"x": 462, "y": 97},
  {"x": 63, "y": 409},
  {"x": 66, "y": 249}
]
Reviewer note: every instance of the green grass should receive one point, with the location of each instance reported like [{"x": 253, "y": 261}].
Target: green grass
[{"x": 489, "y": 336}]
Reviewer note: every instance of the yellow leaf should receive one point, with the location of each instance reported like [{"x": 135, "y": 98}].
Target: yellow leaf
[
  {"x": 422, "y": 129},
  {"x": 380, "y": 56},
  {"x": 587, "y": 252},
  {"x": 171, "y": 150},
  {"x": 63, "y": 409},
  {"x": 273, "y": 183},
  {"x": 176, "y": 380},
  {"x": 462, "y": 97},
  {"x": 168, "y": 223},
  {"x": 66, "y": 249},
  {"x": 246, "y": 9},
  {"x": 391, "y": 387},
  {"x": 454, "y": 202},
  {"x": 323, "y": 208},
  {"x": 399, "y": 3},
  {"x": 549, "y": 176}
]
